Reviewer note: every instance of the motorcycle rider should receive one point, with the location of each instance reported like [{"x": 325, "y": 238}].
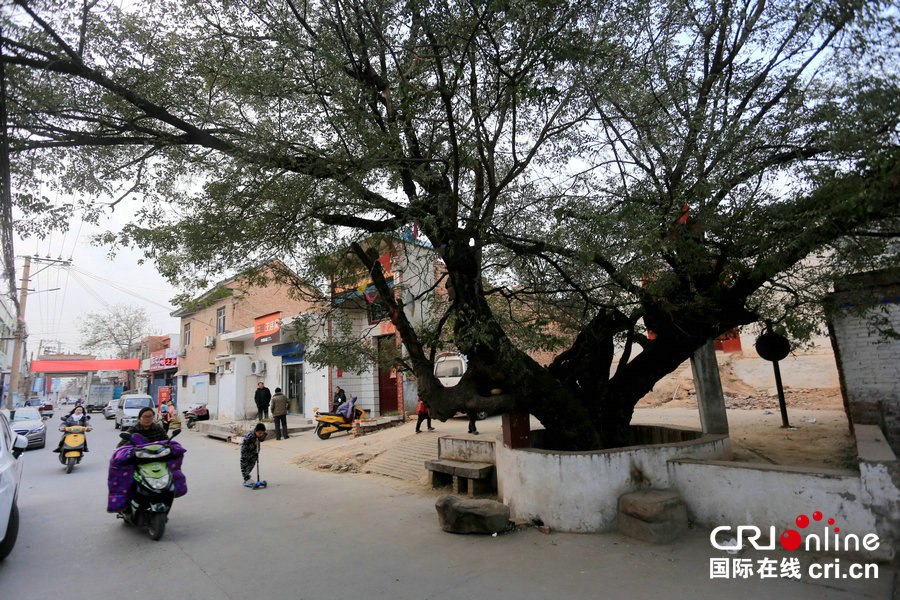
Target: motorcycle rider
[
  {"x": 76, "y": 417},
  {"x": 339, "y": 398},
  {"x": 146, "y": 427}
]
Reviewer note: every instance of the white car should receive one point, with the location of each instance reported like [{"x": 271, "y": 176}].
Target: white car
[
  {"x": 128, "y": 408},
  {"x": 449, "y": 368},
  {"x": 11, "y": 448}
]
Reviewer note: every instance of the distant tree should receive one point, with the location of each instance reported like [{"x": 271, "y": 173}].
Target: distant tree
[
  {"x": 116, "y": 332},
  {"x": 626, "y": 166}
]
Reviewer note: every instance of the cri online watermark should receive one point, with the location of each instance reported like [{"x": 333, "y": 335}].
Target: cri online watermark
[{"x": 791, "y": 539}]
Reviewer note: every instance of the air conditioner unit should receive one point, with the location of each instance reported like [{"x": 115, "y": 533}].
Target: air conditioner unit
[
  {"x": 257, "y": 367},
  {"x": 209, "y": 341},
  {"x": 182, "y": 353}
]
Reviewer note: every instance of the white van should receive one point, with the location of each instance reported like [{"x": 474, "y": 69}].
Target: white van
[
  {"x": 449, "y": 368},
  {"x": 129, "y": 407}
]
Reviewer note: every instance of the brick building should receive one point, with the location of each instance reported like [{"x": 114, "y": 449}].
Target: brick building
[
  {"x": 226, "y": 349},
  {"x": 868, "y": 361}
]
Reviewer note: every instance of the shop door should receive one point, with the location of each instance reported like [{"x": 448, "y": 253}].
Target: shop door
[
  {"x": 293, "y": 385},
  {"x": 387, "y": 375}
]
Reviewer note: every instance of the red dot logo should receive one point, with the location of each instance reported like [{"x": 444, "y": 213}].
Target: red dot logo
[
  {"x": 802, "y": 521},
  {"x": 837, "y": 529},
  {"x": 831, "y": 521},
  {"x": 817, "y": 516},
  {"x": 790, "y": 540}
]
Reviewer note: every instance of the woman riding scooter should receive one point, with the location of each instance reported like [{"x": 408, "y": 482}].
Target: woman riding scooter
[
  {"x": 76, "y": 417},
  {"x": 152, "y": 432}
]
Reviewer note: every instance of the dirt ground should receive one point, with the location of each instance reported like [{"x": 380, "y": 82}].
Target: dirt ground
[{"x": 819, "y": 435}]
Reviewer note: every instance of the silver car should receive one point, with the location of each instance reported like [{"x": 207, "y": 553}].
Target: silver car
[
  {"x": 109, "y": 411},
  {"x": 11, "y": 447},
  {"x": 28, "y": 422}
]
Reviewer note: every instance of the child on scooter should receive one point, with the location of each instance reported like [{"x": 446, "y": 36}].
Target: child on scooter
[{"x": 250, "y": 449}]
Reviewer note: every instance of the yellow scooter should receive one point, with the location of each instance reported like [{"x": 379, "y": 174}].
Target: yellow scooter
[
  {"x": 331, "y": 422},
  {"x": 73, "y": 446}
]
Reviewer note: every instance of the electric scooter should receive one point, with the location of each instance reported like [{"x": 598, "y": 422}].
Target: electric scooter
[
  {"x": 73, "y": 446},
  {"x": 153, "y": 490},
  {"x": 200, "y": 413},
  {"x": 331, "y": 422}
]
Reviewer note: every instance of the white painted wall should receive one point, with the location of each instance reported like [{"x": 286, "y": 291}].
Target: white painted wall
[
  {"x": 234, "y": 384},
  {"x": 719, "y": 493},
  {"x": 579, "y": 492},
  {"x": 198, "y": 390}
]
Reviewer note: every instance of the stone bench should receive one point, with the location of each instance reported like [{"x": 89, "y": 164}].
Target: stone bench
[{"x": 465, "y": 477}]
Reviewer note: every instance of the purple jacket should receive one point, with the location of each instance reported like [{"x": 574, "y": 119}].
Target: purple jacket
[{"x": 121, "y": 473}]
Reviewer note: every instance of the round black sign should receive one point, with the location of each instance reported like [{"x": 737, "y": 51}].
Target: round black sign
[{"x": 772, "y": 346}]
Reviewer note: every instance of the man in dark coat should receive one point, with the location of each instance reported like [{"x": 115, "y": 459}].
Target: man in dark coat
[
  {"x": 262, "y": 398},
  {"x": 339, "y": 398}
]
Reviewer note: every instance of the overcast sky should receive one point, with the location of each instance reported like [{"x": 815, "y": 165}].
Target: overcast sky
[{"x": 93, "y": 282}]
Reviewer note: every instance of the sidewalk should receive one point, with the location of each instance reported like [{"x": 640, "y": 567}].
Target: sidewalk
[{"x": 225, "y": 429}]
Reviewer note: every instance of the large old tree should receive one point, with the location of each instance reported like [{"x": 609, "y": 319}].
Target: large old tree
[{"x": 618, "y": 167}]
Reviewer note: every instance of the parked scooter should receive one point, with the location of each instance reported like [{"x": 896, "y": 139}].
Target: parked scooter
[
  {"x": 73, "y": 446},
  {"x": 155, "y": 482},
  {"x": 199, "y": 413},
  {"x": 331, "y": 422}
]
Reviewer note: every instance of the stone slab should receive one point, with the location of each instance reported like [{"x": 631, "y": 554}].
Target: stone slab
[
  {"x": 653, "y": 505},
  {"x": 872, "y": 446},
  {"x": 469, "y": 470}
]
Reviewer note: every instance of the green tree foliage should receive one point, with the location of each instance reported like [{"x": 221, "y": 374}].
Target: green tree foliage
[{"x": 686, "y": 167}]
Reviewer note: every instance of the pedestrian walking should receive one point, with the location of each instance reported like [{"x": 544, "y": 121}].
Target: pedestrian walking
[
  {"x": 422, "y": 411},
  {"x": 250, "y": 449},
  {"x": 279, "y": 413},
  {"x": 262, "y": 398}
]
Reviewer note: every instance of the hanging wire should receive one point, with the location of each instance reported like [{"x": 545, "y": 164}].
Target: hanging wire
[{"x": 130, "y": 290}]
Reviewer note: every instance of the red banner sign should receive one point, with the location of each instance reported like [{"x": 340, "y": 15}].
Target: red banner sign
[{"x": 163, "y": 396}]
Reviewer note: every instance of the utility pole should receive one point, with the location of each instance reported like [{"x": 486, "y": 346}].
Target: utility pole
[{"x": 20, "y": 338}]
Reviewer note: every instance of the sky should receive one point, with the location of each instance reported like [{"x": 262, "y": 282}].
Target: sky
[{"x": 93, "y": 282}]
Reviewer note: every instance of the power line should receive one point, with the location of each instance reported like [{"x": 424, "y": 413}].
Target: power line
[{"x": 124, "y": 289}]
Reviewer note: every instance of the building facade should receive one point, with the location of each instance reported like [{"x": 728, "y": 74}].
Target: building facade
[{"x": 237, "y": 335}]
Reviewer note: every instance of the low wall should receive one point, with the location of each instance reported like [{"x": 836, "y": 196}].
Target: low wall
[
  {"x": 579, "y": 491},
  {"x": 728, "y": 493}
]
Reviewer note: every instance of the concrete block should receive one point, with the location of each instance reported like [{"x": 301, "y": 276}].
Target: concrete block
[
  {"x": 661, "y": 532},
  {"x": 654, "y": 506}
]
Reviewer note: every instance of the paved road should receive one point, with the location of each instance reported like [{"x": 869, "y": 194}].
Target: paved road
[{"x": 317, "y": 535}]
